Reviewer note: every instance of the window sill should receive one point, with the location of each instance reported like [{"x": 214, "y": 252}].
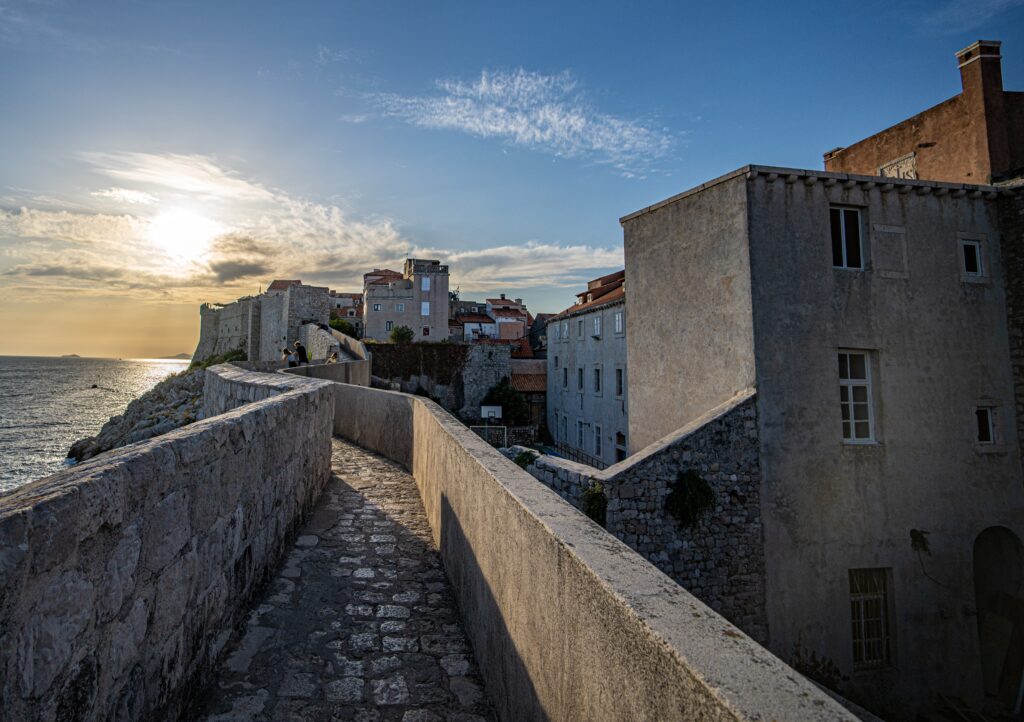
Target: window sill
[
  {"x": 861, "y": 444},
  {"x": 976, "y": 280},
  {"x": 989, "y": 449}
]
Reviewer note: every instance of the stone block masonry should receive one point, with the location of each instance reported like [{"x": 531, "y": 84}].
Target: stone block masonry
[
  {"x": 121, "y": 578},
  {"x": 1011, "y": 225},
  {"x": 223, "y": 328},
  {"x": 720, "y": 558}
]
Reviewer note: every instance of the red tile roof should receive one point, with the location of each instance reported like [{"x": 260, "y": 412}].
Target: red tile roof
[
  {"x": 618, "y": 294},
  {"x": 522, "y": 348},
  {"x": 530, "y": 383},
  {"x": 474, "y": 318},
  {"x": 283, "y": 285},
  {"x": 509, "y": 313}
]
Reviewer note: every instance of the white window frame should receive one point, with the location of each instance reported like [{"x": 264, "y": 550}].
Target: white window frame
[
  {"x": 424, "y": 308},
  {"x": 580, "y": 329},
  {"x": 842, "y": 234},
  {"x": 425, "y": 283},
  {"x": 376, "y": 307},
  {"x": 978, "y": 244},
  {"x": 400, "y": 307},
  {"x": 565, "y": 330},
  {"x": 388, "y": 325},
  {"x": 598, "y": 450},
  {"x": 597, "y": 326},
  {"x": 849, "y": 404},
  {"x": 618, "y": 322}
]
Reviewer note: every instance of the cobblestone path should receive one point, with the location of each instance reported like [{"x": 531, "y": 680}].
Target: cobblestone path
[{"x": 360, "y": 623}]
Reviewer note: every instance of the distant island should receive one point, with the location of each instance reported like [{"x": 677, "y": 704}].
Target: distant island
[
  {"x": 71, "y": 355},
  {"x": 177, "y": 357}
]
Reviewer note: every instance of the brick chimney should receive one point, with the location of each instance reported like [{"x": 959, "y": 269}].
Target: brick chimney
[{"x": 982, "y": 77}]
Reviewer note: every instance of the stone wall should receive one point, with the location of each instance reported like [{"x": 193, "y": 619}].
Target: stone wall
[
  {"x": 1011, "y": 225},
  {"x": 223, "y": 328},
  {"x": 122, "y": 577},
  {"x": 319, "y": 343},
  {"x": 457, "y": 376},
  {"x": 720, "y": 559},
  {"x": 567, "y": 622},
  {"x": 273, "y": 334}
]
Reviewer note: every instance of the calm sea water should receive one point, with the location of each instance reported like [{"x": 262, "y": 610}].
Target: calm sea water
[{"x": 46, "y": 404}]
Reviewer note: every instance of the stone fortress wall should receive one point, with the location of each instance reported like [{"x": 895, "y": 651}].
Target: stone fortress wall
[
  {"x": 720, "y": 558},
  {"x": 223, "y": 328},
  {"x": 122, "y": 577}
]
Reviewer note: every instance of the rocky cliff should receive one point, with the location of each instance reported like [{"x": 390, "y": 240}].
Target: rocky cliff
[{"x": 175, "y": 401}]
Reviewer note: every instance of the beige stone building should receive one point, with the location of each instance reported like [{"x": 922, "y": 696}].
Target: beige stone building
[
  {"x": 417, "y": 298},
  {"x": 870, "y": 316}
]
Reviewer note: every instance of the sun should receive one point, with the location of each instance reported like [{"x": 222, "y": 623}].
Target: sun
[{"x": 183, "y": 234}]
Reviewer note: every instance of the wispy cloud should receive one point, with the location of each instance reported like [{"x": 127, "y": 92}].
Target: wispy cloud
[
  {"x": 126, "y": 195},
  {"x": 326, "y": 56},
  {"x": 964, "y": 15},
  {"x": 267, "y": 233},
  {"x": 542, "y": 112}
]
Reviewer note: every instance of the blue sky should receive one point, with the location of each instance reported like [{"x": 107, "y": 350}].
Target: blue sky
[{"x": 156, "y": 154}]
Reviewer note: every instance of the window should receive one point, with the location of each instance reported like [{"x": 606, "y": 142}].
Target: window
[
  {"x": 970, "y": 257},
  {"x": 565, "y": 431},
  {"x": 846, "y": 241},
  {"x": 351, "y": 313},
  {"x": 425, "y": 283},
  {"x": 985, "y": 416},
  {"x": 579, "y": 379},
  {"x": 376, "y": 307},
  {"x": 620, "y": 446},
  {"x": 597, "y": 379},
  {"x": 597, "y": 441},
  {"x": 579, "y": 434},
  {"x": 425, "y": 308},
  {"x": 556, "y": 362},
  {"x": 400, "y": 307},
  {"x": 565, "y": 330},
  {"x": 565, "y": 377},
  {"x": 579, "y": 328},
  {"x": 426, "y": 330},
  {"x": 870, "y": 614},
  {"x": 618, "y": 322},
  {"x": 620, "y": 384},
  {"x": 855, "y": 396},
  {"x": 597, "y": 326},
  {"x": 388, "y": 325},
  {"x": 555, "y": 332}
]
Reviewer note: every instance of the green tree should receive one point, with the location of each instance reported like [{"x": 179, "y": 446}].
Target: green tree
[
  {"x": 342, "y": 326},
  {"x": 401, "y": 334},
  {"x": 515, "y": 409}
]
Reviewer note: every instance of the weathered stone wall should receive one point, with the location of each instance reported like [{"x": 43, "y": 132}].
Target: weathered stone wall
[
  {"x": 273, "y": 333},
  {"x": 223, "y": 328},
  {"x": 319, "y": 343},
  {"x": 567, "y": 623},
  {"x": 720, "y": 559},
  {"x": 456, "y": 376},
  {"x": 121, "y": 578},
  {"x": 1011, "y": 225}
]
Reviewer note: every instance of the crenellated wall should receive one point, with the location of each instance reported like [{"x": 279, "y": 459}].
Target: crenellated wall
[
  {"x": 122, "y": 577},
  {"x": 223, "y": 328}
]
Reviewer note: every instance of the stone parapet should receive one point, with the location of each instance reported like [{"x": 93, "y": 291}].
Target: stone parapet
[
  {"x": 566, "y": 621},
  {"x": 122, "y": 577},
  {"x": 719, "y": 558}
]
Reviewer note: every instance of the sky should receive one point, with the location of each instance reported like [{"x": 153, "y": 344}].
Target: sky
[{"x": 156, "y": 155}]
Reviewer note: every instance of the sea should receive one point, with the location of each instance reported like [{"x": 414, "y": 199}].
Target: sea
[{"x": 47, "y": 404}]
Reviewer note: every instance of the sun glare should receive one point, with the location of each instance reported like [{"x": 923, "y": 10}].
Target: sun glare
[{"x": 183, "y": 234}]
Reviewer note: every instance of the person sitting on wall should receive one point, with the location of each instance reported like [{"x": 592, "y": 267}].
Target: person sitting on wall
[
  {"x": 289, "y": 356},
  {"x": 333, "y": 358},
  {"x": 300, "y": 352}
]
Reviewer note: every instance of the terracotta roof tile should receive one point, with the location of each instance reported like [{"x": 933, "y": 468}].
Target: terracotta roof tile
[{"x": 530, "y": 383}]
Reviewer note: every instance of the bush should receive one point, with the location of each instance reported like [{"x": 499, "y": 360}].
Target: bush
[
  {"x": 401, "y": 334},
  {"x": 515, "y": 409},
  {"x": 342, "y": 326},
  {"x": 525, "y": 458},
  {"x": 595, "y": 503},
  {"x": 691, "y": 497}
]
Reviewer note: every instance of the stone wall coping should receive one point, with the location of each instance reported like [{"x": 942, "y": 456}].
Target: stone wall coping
[
  {"x": 628, "y": 464},
  {"x": 791, "y": 175}
]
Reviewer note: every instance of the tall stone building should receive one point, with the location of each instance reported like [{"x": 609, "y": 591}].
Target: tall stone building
[
  {"x": 869, "y": 314},
  {"x": 586, "y": 374},
  {"x": 417, "y": 298}
]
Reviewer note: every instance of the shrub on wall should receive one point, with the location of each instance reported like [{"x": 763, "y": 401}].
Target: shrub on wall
[
  {"x": 342, "y": 326},
  {"x": 401, "y": 334},
  {"x": 224, "y": 358},
  {"x": 690, "y": 498},
  {"x": 595, "y": 503},
  {"x": 525, "y": 458}
]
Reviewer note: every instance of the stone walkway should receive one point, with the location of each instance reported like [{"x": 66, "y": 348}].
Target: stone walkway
[{"x": 360, "y": 623}]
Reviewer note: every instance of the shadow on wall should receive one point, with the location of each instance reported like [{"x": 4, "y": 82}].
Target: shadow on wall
[{"x": 517, "y": 698}]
